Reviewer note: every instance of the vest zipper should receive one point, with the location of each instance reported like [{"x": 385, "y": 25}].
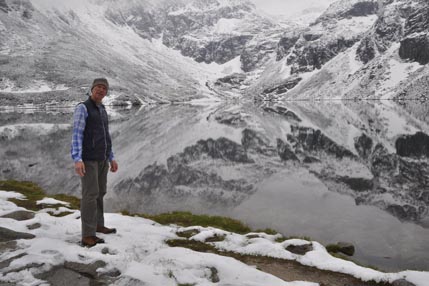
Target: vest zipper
[{"x": 104, "y": 130}]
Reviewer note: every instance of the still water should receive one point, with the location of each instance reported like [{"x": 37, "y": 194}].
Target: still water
[{"x": 265, "y": 191}]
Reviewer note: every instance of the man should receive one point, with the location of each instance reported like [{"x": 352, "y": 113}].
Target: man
[{"x": 91, "y": 151}]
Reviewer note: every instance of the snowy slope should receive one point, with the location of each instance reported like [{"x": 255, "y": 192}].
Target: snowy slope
[
  {"x": 355, "y": 49},
  {"x": 63, "y": 45}
]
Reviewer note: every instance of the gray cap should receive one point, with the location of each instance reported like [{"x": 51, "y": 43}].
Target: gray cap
[{"x": 101, "y": 81}]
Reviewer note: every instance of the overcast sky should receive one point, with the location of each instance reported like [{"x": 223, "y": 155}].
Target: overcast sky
[{"x": 289, "y": 7}]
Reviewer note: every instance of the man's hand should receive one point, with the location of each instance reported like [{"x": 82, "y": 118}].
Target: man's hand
[
  {"x": 79, "y": 167},
  {"x": 113, "y": 166}
]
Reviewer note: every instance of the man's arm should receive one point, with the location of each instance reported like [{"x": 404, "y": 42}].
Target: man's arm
[{"x": 79, "y": 123}]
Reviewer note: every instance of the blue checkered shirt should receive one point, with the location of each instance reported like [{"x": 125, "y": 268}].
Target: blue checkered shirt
[{"x": 79, "y": 123}]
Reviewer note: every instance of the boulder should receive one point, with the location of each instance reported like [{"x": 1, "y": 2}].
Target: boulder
[
  {"x": 86, "y": 269},
  {"x": 34, "y": 226},
  {"x": 8, "y": 245},
  {"x": 343, "y": 247},
  {"x": 8, "y": 235},
  {"x": 19, "y": 215},
  {"x": 7, "y": 262},
  {"x": 60, "y": 276},
  {"x": 300, "y": 249}
]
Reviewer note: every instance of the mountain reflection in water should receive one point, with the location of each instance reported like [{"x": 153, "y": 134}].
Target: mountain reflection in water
[{"x": 328, "y": 170}]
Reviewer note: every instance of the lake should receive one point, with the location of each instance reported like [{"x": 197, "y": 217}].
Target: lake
[{"x": 328, "y": 170}]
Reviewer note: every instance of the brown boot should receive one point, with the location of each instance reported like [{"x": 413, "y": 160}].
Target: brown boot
[
  {"x": 106, "y": 230},
  {"x": 89, "y": 241}
]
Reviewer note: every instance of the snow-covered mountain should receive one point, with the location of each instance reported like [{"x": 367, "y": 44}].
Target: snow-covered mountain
[
  {"x": 355, "y": 49},
  {"x": 57, "y": 48},
  {"x": 152, "y": 51}
]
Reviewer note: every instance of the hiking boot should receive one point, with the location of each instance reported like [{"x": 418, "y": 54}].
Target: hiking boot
[
  {"x": 106, "y": 230},
  {"x": 99, "y": 240},
  {"x": 89, "y": 241}
]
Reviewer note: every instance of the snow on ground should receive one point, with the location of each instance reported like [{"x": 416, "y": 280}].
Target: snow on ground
[
  {"x": 51, "y": 201},
  {"x": 227, "y": 26},
  {"x": 36, "y": 87},
  {"x": 139, "y": 252},
  {"x": 397, "y": 73}
]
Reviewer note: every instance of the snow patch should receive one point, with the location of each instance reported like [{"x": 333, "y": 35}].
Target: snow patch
[{"x": 51, "y": 201}]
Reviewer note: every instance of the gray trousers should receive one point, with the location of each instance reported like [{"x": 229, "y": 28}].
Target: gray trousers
[{"x": 94, "y": 184}]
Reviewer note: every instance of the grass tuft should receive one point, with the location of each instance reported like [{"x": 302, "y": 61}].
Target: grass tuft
[
  {"x": 192, "y": 244},
  {"x": 269, "y": 231},
  {"x": 186, "y": 219},
  {"x": 34, "y": 193}
]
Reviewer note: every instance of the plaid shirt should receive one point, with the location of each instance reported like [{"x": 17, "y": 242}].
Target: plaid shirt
[{"x": 79, "y": 123}]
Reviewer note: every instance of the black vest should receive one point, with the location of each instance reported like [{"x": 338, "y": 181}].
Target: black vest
[{"x": 97, "y": 144}]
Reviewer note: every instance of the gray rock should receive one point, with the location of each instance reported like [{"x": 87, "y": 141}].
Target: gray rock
[
  {"x": 6, "y": 263},
  {"x": 286, "y": 113},
  {"x": 415, "y": 45},
  {"x": 308, "y": 56},
  {"x": 233, "y": 80},
  {"x": 232, "y": 119},
  {"x": 358, "y": 184},
  {"x": 312, "y": 140},
  {"x": 382, "y": 161},
  {"x": 112, "y": 273},
  {"x": 214, "y": 277},
  {"x": 8, "y": 235},
  {"x": 19, "y": 215},
  {"x": 34, "y": 226},
  {"x": 300, "y": 249},
  {"x": 285, "y": 152},
  {"x": 8, "y": 245},
  {"x": 252, "y": 140},
  {"x": 346, "y": 248},
  {"x": 64, "y": 277},
  {"x": 363, "y": 145},
  {"x": 222, "y": 148},
  {"x": 404, "y": 212},
  {"x": 25, "y": 267},
  {"x": 288, "y": 84},
  {"x": 416, "y": 145},
  {"x": 257, "y": 53},
  {"x": 86, "y": 269},
  {"x": 402, "y": 282},
  {"x": 310, "y": 160}
]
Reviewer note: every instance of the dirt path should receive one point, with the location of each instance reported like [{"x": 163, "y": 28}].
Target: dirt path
[{"x": 293, "y": 271}]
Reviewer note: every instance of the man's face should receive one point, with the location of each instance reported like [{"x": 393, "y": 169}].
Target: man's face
[{"x": 98, "y": 93}]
